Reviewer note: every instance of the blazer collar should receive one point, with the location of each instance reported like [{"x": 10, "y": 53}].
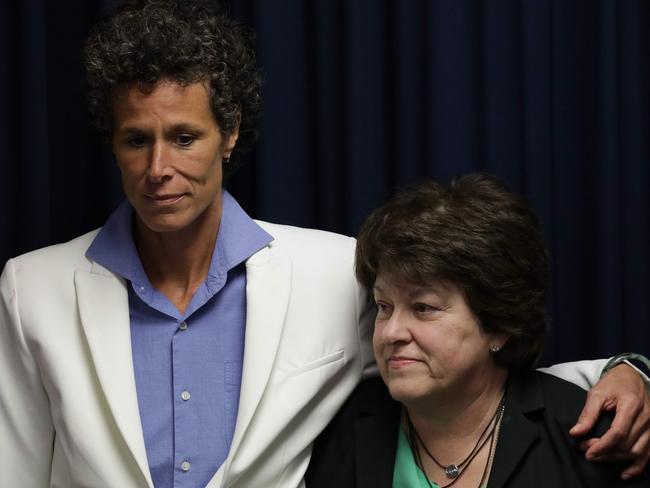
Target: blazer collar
[
  {"x": 518, "y": 433},
  {"x": 104, "y": 313}
]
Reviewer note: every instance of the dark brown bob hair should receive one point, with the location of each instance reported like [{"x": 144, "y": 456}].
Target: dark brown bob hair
[{"x": 477, "y": 235}]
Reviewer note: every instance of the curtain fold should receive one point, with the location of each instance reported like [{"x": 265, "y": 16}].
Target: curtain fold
[{"x": 363, "y": 96}]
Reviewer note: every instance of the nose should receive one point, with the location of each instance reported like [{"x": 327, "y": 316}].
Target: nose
[
  {"x": 160, "y": 163},
  {"x": 395, "y": 329}
]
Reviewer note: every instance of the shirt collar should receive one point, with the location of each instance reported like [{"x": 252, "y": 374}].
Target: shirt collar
[{"x": 238, "y": 239}]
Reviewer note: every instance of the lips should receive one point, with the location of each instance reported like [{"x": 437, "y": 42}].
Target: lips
[
  {"x": 401, "y": 361},
  {"x": 165, "y": 200}
]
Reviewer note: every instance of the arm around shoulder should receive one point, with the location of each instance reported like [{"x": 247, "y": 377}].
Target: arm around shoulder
[
  {"x": 585, "y": 374},
  {"x": 623, "y": 391}
]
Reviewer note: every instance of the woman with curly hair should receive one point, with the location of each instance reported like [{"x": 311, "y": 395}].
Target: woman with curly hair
[{"x": 177, "y": 345}]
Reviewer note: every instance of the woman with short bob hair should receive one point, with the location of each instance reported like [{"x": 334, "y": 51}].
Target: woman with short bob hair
[
  {"x": 477, "y": 235},
  {"x": 459, "y": 275}
]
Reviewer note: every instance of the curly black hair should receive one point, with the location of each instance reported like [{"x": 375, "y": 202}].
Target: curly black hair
[
  {"x": 185, "y": 41},
  {"x": 476, "y": 234}
]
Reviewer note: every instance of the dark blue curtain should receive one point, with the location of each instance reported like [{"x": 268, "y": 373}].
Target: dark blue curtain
[{"x": 362, "y": 96}]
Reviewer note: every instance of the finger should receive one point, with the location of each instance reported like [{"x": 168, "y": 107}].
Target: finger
[
  {"x": 613, "y": 457},
  {"x": 587, "y": 443},
  {"x": 641, "y": 448},
  {"x": 637, "y": 439},
  {"x": 626, "y": 412},
  {"x": 635, "y": 469},
  {"x": 589, "y": 414}
]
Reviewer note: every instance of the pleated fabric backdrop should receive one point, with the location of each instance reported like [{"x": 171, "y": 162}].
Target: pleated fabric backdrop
[{"x": 363, "y": 96}]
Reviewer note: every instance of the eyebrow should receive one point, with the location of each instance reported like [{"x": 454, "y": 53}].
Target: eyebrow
[
  {"x": 184, "y": 127},
  {"x": 181, "y": 127},
  {"x": 413, "y": 289},
  {"x": 129, "y": 130},
  {"x": 417, "y": 290}
]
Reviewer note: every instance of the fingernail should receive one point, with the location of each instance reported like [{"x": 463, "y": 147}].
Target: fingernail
[
  {"x": 577, "y": 426},
  {"x": 625, "y": 476}
]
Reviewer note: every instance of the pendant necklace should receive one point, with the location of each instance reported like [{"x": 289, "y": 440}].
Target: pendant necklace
[{"x": 453, "y": 471}]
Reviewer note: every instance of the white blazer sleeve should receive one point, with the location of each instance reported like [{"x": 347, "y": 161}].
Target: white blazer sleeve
[
  {"x": 26, "y": 429},
  {"x": 585, "y": 374}
]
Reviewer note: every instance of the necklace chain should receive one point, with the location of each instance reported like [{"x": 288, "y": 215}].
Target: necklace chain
[
  {"x": 455, "y": 471},
  {"x": 493, "y": 445}
]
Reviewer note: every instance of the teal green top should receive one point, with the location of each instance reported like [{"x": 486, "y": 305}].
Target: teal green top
[{"x": 407, "y": 474}]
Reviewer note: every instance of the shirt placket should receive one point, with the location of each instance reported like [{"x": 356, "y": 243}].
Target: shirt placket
[{"x": 183, "y": 406}]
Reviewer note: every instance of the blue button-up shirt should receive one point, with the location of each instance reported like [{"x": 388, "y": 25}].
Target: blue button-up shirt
[{"x": 187, "y": 366}]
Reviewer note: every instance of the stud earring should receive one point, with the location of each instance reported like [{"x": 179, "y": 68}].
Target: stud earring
[
  {"x": 495, "y": 348},
  {"x": 226, "y": 160}
]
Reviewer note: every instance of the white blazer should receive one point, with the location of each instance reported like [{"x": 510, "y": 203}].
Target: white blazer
[{"x": 68, "y": 405}]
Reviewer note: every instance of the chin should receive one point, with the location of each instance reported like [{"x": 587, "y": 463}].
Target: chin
[{"x": 406, "y": 392}]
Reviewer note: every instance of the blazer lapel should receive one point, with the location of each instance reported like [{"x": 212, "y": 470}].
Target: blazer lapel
[
  {"x": 104, "y": 311},
  {"x": 268, "y": 287},
  {"x": 517, "y": 434}
]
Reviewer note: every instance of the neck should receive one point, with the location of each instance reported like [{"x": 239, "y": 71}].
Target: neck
[
  {"x": 451, "y": 422},
  {"x": 176, "y": 263},
  {"x": 458, "y": 428}
]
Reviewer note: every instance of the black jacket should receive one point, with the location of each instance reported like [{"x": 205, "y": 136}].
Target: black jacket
[{"x": 534, "y": 450}]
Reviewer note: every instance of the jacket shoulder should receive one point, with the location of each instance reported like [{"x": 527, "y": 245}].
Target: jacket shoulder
[
  {"x": 303, "y": 240},
  {"x": 59, "y": 256},
  {"x": 563, "y": 402},
  {"x": 48, "y": 272},
  {"x": 318, "y": 256}
]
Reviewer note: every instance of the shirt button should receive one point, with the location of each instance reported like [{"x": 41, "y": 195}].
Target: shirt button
[
  {"x": 185, "y": 466},
  {"x": 185, "y": 395},
  {"x": 183, "y": 326}
]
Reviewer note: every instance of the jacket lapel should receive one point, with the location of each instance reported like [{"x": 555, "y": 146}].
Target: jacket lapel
[
  {"x": 517, "y": 434},
  {"x": 104, "y": 312},
  {"x": 268, "y": 287}
]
